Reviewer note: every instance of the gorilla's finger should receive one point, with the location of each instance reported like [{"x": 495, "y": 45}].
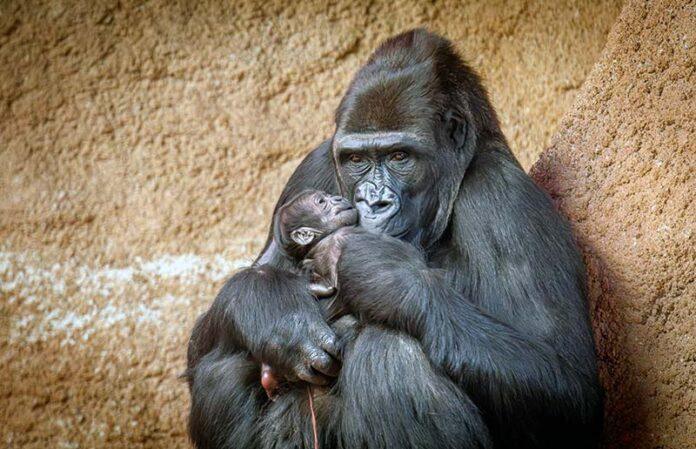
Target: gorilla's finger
[
  {"x": 321, "y": 291},
  {"x": 325, "y": 364},
  {"x": 309, "y": 375},
  {"x": 329, "y": 343}
]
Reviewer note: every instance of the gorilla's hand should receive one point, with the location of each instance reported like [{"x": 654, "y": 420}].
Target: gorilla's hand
[
  {"x": 271, "y": 313},
  {"x": 379, "y": 280},
  {"x": 302, "y": 346},
  {"x": 274, "y": 383}
]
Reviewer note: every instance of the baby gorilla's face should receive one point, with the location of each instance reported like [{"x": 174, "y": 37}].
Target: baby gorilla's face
[
  {"x": 332, "y": 211},
  {"x": 315, "y": 214}
]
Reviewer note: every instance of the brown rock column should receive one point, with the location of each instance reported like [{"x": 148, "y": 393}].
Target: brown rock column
[{"x": 622, "y": 169}]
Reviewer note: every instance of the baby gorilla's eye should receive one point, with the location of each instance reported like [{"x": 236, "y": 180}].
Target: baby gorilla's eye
[
  {"x": 398, "y": 156},
  {"x": 355, "y": 158}
]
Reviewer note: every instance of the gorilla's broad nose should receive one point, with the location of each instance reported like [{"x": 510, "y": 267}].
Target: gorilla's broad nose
[{"x": 379, "y": 199}]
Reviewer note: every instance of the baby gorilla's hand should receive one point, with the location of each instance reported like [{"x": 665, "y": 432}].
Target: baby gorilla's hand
[
  {"x": 321, "y": 290},
  {"x": 323, "y": 260},
  {"x": 318, "y": 285}
]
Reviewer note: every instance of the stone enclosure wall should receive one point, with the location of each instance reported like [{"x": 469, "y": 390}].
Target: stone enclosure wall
[
  {"x": 622, "y": 167},
  {"x": 142, "y": 145}
]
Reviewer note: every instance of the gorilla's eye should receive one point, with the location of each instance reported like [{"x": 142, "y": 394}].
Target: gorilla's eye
[
  {"x": 398, "y": 156},
  {"x": 355, "y": 158}
]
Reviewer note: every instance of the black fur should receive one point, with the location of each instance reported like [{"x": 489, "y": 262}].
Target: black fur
[{"x": 473, "y": 324}]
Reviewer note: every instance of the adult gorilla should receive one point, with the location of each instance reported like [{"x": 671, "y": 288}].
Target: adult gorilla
[{"x": 470, "y": 289}]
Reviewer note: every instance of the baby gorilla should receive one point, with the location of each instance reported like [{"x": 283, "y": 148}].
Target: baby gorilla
[{"x": 301, "y": 229}]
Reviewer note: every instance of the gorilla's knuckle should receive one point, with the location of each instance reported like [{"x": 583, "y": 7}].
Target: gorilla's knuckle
[
  {"x": 321, "y": 360},
  {"x": 310, "y": 353},
  {"x": 329, "y": 337}
]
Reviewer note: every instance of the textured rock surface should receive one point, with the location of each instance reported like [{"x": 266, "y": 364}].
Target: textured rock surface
[
  {"x": 153, "y": 127},
  {"x": 623, "y": 168},
  {"x": 142, "y": 145}
]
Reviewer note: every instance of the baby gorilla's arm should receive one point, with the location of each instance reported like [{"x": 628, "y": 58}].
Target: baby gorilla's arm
[
  {"x": 318, "y": 285},
  {"x": 323, "y": 260}
]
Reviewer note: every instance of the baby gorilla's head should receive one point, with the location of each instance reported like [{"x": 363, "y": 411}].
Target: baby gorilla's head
[{"x": 309, "y": 217}]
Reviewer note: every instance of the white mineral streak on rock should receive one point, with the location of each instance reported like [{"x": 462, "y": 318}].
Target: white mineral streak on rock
[{"x": 96, "y": 300}]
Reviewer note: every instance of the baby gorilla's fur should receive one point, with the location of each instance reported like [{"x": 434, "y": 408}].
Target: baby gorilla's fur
[{"x": 311, "y": 229}]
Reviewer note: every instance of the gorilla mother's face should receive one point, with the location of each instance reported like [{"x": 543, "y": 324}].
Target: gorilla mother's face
[
  {"x": 387, "y": 175},
  {"x": 396, "y": 150}
]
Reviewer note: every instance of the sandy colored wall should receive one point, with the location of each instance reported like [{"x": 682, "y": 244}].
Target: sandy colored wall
[
  {"x": 623, "y": 169},
  {"x": 142, "y": 145},
  {"x": 162, "y": 127}
]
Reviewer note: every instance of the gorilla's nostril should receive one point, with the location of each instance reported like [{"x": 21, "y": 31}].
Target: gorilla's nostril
[
  {"x": 381, "y": 204},
  {"x": 375, "y": 199}
]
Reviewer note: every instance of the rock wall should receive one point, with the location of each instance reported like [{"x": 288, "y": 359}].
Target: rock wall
[
  {"x": 623, "y": 169},
  {"x": 141, "y": 128},
  {"x": 143, "y": 145}
]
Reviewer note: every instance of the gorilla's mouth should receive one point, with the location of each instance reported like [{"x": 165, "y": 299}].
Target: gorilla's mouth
[{"x": 376, "y": 216}]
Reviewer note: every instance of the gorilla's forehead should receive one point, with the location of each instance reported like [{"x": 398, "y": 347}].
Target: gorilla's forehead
[
  {"x": 390, "y": 100},
  {"x": 384, "y": 139}
]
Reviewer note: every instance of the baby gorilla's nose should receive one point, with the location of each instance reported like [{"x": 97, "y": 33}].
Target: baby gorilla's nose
[{"x": 337, "y": 200}]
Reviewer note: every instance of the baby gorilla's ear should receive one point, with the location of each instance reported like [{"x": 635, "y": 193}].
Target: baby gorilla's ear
[{"x": 304, "y": 236}]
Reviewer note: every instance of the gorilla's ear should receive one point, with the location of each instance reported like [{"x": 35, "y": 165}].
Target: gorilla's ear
[
  {"x": 456, "y": 128},
  {"x": 304, "y": 236}
]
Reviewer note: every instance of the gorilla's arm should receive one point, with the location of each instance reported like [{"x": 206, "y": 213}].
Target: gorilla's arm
[
  {"x": 506, "y": 371},
  {"x": 507, "y": 325},
  {"x": 262, "y": 313},
  {"x": 296, "y": 341},
  {"x": 250, "y": 308}
]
